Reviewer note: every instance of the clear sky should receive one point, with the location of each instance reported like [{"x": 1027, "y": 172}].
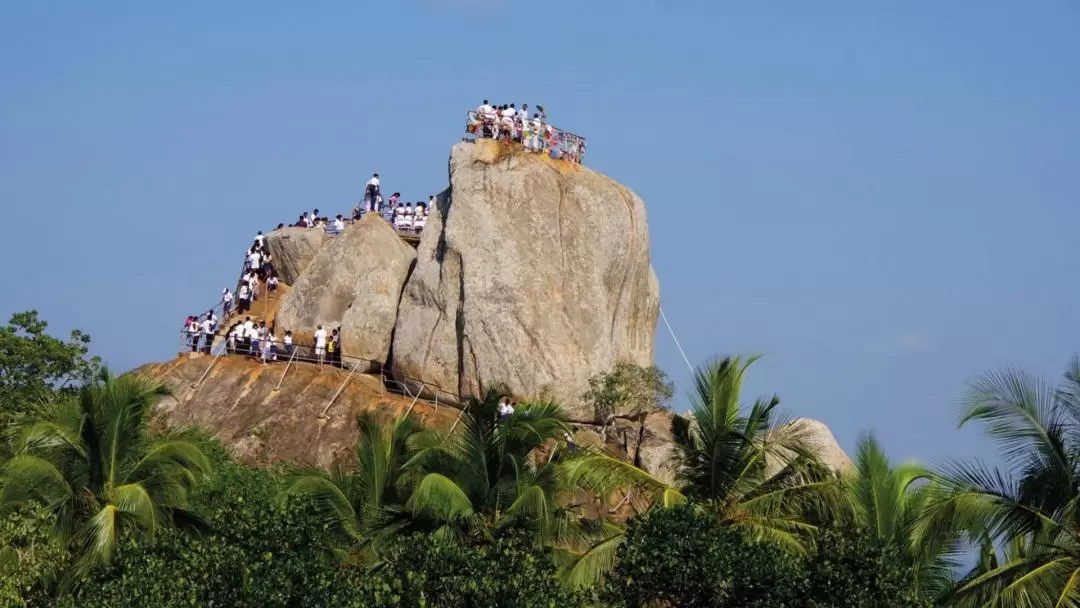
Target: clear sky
[{"x": 882, "y": 197}]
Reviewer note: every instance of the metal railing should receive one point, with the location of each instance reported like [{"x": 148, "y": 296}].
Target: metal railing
[
  {"x": 554, "y": 142},
  {"x": 305, "y": 353}
]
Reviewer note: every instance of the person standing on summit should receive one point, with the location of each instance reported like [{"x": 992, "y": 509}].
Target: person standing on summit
[{"x": 372, "y": 193}]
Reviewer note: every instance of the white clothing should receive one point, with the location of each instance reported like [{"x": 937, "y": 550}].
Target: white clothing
[
  {"x": 254, "y": 259},
  {"x": 242, "y": 293},
  {"x": 374, "y": 181},
  {"x": 339, "y": 225},
  {"x": 508, "y": 113},
  {"x": 207, "y": 327},
  {"x": 259, "y": 239},
  {"x": 320, "y": 338},
  {"x": 227, "y": 297},
  {"x": 288, "y": 340},
  {"x": 249, "y": 325}
]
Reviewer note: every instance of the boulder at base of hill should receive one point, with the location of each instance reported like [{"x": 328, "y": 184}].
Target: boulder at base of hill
[
  {"x": 293, "y": 249},
  {"x": 530, "y": 272},
  {"x": 354, "y": 281}
]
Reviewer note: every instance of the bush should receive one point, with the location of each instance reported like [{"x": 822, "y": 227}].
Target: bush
[
  {"x": 852, "y": 570},
  {"x": 254, "y": 551},
  {"x": 681, "y": 557},
  {"x": 29, "y": 559},
  {"x": 424, "y": 570}
]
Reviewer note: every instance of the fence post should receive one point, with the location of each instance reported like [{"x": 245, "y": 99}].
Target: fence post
[
  {"x": 208, "y": 367},
  {"x": 409, "y": 411},
  {"x": 287, "y": 366},
  {"x": 454, "y": 426},
  {"x": 340, "y": 388}
]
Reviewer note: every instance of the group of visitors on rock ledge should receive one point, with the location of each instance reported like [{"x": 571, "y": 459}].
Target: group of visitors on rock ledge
[
  {"x": 511, "y": 125},
  {"x": 407, "y": 218},
  {"x": 504, "y": 122}
]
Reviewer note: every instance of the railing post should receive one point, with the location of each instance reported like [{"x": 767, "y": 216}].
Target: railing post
[
  {"x": 208, "y": 367},
  {"x": 340, "y": 388},
  {"x": 409, "y": 411},
  {"x": 454, "y": 426},
  {"x": 287, "y": 366}
]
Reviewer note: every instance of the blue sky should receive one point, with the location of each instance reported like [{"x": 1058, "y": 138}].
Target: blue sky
[{"x": 881, "y": 197}]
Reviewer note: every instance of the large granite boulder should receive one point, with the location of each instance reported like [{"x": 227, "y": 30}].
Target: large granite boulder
[
  {"x": 293, "y": 249},
  {"x": 354, "y": 281},
  {"x": 530, "y": 272}
]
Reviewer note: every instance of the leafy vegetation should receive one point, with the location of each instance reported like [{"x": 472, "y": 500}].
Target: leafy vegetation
[
  {"x": 101, "y": 506},
  {"x": 89, "y": 459},
  {"x": 35, "y": 365}
]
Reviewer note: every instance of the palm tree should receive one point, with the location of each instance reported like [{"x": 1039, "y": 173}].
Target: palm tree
[
  {"x": 905, "y": 506},
  {"x": 483, "y": 476},
  {"x": 1032, "y": 509},
  {"x": 497, "y": 473},
  {"x": 749, "y": 468},
  {"x": 367, "y": 503},
  {"x": 89, "y": 459}
]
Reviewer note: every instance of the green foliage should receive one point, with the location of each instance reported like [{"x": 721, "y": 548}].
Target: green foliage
[
  {"x": 852, "y": 569},
  {"x": 33, "y": 364},
  {"x": 254, "y": 550},
  {"x": 89, "y": 459},
  {"x": 1031, "y": 509},
  {"x": 30, "y": 560},
  {"x": 510, "y": 572},
  {"x": 902, "y": 506},
  {"x": 683, "y": 557},
  {"x": 747, "y": 466},
  {"x": 628, "y": 390}
]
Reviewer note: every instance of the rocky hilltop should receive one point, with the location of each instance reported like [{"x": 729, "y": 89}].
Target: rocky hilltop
[{"x": 532, "y": 273}]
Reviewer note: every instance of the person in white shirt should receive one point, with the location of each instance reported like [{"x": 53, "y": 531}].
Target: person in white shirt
[
  {"x": 213, "y": 320},
  {"x": 320, "y": 344},
  {"x": 251, "y": 336},
  {"x": 372, "y": 192},
  {"x": 208, "y": 334},
  {"x": 243, "y": 294},
  {"x": 339, "y": 224},
  {"x": 193, "y": 336},
  {"x": 254, "y": 261},
  {"x": 287, "y": 341},
  {"x": 226, "y": 302},
  {"x": 267, "y": 344},
  {"x": 260, "y": 239},
  {"x": 271, "y": 285}
]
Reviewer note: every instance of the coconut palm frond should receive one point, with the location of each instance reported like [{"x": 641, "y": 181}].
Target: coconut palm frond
[{"x": 587, "y": 569}]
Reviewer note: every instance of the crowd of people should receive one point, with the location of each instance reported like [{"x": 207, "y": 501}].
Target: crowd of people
[
  {"x": 407, "y": 218},
  {"x": 514, "y": 125}
]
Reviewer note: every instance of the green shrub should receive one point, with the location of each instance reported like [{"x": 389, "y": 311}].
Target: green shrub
[
  {"x": 853, "y": 570},
  {"x": 253, "y": 551},
  {"x": 423, "y": 570},
  {"x": 681, "y": 557},
  {"x": 30, "y": 560}
]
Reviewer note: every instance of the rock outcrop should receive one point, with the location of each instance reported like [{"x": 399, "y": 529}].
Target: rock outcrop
[
  {"x": 238, "y": 402},
  {"x": 293, "y": 249},
  {"x": 354, "y": 281},
  {"x": 531, "y": 272}
]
